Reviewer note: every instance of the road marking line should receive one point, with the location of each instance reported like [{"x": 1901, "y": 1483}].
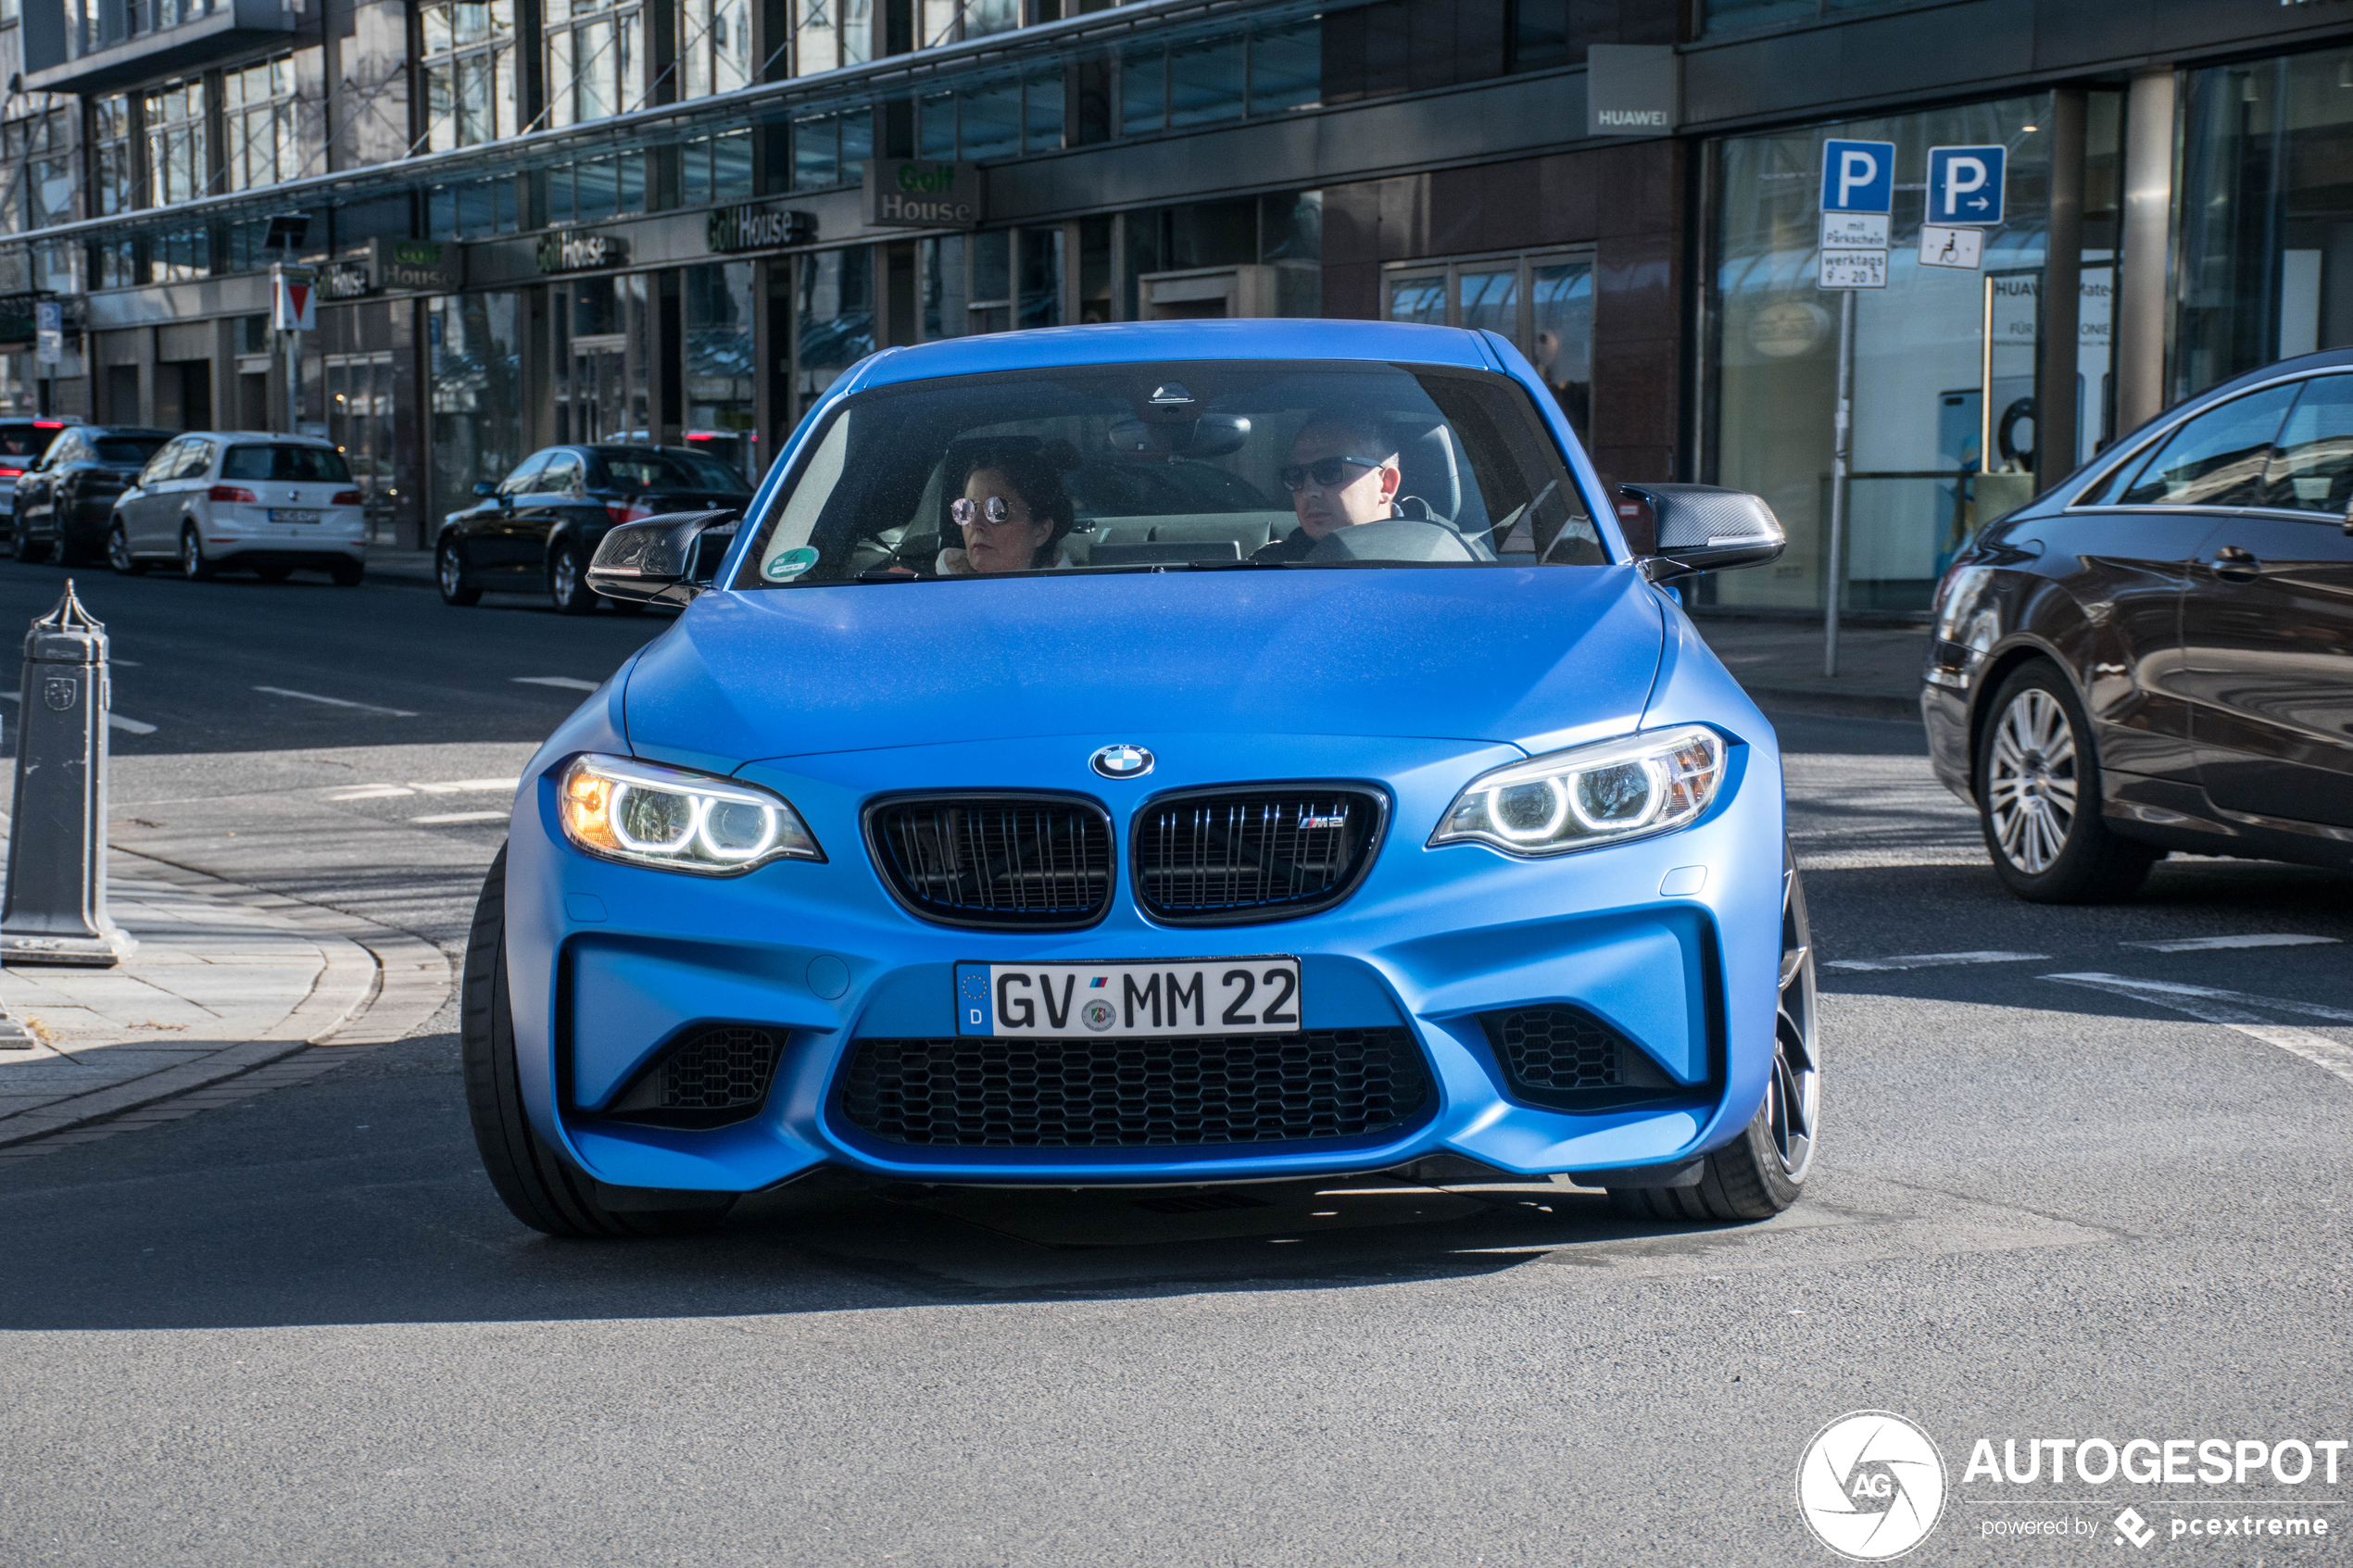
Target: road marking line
[
  {"x": 567, "y": 683},
  {"x": 132, "y": 727},
  {"x": 1936, "y": 961},
  {"x": 2213, "y": 1007},
  {"x": 462, "y": 786},
  {"x": 371, "y": 792},
  {"x": 447, "y": 817},
  {"x": 337, "y": 702},
  {"x": 2215, "y": 944}
]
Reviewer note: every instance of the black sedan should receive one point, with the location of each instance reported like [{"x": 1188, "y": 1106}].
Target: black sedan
[
  {"x": 64, "y": 499},
  {"x": 2157, "y": 655},
  {"x": 540, "y": 525}
]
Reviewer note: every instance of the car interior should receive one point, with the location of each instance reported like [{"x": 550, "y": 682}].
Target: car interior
[{"x": 1154, "y": 482}]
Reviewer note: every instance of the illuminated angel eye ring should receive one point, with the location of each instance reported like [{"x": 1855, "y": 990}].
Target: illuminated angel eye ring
[
  {"x": 1551, "y": 823},
  {"x": 617, "y": 814},
  {"x": 770, "y": 825},
  {"x": 1654, "y": 784}
]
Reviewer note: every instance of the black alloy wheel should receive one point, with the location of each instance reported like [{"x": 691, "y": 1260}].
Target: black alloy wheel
[
  {"x": 193, "y": 564},
  {"x": 22, "y": 545},
  {"x": 568, "y": 580},
  {"x": 449, "y": 575},
  {"x": 119, "y": 553},
  {"x": 2038, "y": 796},
  {"x": 1760, "y": 1172},
  {"x": 534, "y": 1182}
]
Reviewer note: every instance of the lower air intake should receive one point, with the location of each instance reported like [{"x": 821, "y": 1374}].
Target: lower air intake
[
  {"x": 1134, "y": 1093},
  {"x": 712, "y": 1076},
  {"x": 1564, "y": 1056}
]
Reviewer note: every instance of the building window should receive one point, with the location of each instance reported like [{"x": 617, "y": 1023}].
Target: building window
[
  {"x": 831, "y": 149},
  {"x": 470, "y": 72},
  {"x": 42, "y": 147},
  {"x": 180, "y": 255},
  {"x": 596, "y": 189},
  {"x": 834, "y": 324},
  {"x": 714, "y": 47},
  {"x": 258, "y": 121},
  {"x": 1730, "y": 15},
  {"x": 828, "y": 35},
  {"x": 723, "y": 365},
  {"x": 592, "y": 61},
  {"x": 179, "y": 146},
  {"x": 1274, "y": 69},
  {"x": 716, "y": 169},
  {"x": 470, "y": 210},
  {"x": 1542, "y": 301}
]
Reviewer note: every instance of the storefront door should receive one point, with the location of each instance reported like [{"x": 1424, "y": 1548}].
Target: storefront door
[
  {"x": 602, "y": 349},
  {"x": 359, "y": 422}
]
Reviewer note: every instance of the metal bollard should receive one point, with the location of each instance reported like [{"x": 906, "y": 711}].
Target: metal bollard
[{"x": 54, "y": 908}]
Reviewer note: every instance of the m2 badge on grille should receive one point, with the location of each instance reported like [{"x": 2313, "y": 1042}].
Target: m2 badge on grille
[{"x": 1255, "y": 995}]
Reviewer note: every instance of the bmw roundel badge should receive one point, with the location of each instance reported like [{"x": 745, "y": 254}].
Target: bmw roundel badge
[{"x": 1121, "y": 762}]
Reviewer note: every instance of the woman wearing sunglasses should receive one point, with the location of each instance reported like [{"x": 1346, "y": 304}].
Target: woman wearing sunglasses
[
  {"x": 1342, "y": 471},
  {"x": 1012, "y": 516}
]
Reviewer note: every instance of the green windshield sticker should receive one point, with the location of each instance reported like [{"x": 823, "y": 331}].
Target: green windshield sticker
[{"x": 792, "y": 563}]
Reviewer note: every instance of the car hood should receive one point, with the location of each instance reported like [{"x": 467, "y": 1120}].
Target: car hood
[{"x": 1535, "y": 657}]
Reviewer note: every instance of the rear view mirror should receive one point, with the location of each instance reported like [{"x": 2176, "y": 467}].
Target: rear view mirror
[
  {"x": 1212, "y": 435},
  {"x": 1701, "y": 528},
  {"x": 660, "y": 560}
]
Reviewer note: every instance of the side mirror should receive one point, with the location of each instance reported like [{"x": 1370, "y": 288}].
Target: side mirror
[
  {"x": 486, "y": 487},
  {"x": 660, "y": 561},
  {"x": 1701, "y": 528}
]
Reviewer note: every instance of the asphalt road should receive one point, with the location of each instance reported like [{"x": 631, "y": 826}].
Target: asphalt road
[{"x": 2056, "y": 1200}]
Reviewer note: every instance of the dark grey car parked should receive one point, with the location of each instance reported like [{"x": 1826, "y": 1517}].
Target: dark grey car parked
[
  {"x": 65, "y": 499},
  {"x": 540, "y": 525},
  {"x": 2157, "y": 654}
]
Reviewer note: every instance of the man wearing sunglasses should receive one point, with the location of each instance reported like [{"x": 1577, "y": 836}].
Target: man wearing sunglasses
[{"x": 1342, "y": 471}]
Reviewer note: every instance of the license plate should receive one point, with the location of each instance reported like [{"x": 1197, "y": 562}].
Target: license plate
[
  {"x": 1256, "y": 995},
  {"x": 288, "y": 514}
]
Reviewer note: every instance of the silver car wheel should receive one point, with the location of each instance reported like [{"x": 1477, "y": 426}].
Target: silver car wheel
[
  {"x": 1794, "y": 1097},
  {"x": 564, "y": 579},
  {"x": 453, "y": 570},
  {"x": 2031, "y": 781},
  {"x": 191, "y": 555}
]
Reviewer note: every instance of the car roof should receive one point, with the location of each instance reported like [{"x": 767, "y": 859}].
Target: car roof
[
  {"x": 105, "y": 431},
  {"x": 277, "y": 438},
  {"x": 1173, "y": 342}
]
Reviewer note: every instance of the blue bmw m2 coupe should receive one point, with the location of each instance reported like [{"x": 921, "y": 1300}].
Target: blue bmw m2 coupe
[{"x": 1157, "y": 755}]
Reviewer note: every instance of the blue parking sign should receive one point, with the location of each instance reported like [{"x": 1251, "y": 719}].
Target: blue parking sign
[
  {"x": 1857, "y": 176},
  {"x": 1965, "y": 184}
]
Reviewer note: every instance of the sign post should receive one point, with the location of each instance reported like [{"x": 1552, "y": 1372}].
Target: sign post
[
  {"x": 1858, "y": 192},
  {"x": 293, "y": 310}
]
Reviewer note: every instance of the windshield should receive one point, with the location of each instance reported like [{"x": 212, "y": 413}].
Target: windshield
[
  {"x": 293, "y": 465},
  {"x": 1194, "y": 464},
  {"x": 639, "y": 470}
]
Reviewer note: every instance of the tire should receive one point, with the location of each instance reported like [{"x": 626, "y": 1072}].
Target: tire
[
  {"x": 119, "y": 553},
  {"x": 2038, "y": 797},
  {"x": 1761, "y": 1172},
  {"x": 193, "y": 564},
  {"x": 273, "y": 573},
  {"x": 568, "y": 581},
  {"x": 27, "y": 551},
  {"x": 535, "y": 1185},
  {"x": 349, "y": 573},
  {"x": 449, "y": 574}
]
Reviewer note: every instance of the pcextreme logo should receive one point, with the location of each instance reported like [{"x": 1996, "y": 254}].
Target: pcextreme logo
[{"x": 1870, "y": 1486}]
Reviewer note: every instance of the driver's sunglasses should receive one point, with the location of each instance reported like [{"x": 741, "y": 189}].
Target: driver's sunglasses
[
  {"x": 993, "y": 511},
  {"x": 1324, "y": 472}
]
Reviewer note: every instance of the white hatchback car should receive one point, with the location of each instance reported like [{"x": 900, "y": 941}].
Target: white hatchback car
[{"x": 213, "y": 500}]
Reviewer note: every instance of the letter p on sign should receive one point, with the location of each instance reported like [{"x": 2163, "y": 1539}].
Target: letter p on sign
[
  {"x": 1965, "y": 184},
  {"x": 1857, "y": 176}
]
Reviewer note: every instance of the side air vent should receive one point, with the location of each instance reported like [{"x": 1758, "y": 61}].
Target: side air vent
[
  {"x": 1003, "y": 862},
  {"x": 1234, "y": 856},
  {"x": 1565, "y": 1058},
  {"x": 708, "y": 1077}
]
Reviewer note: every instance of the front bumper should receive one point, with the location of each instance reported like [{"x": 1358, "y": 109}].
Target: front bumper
[{"x": 609, "y": 962}]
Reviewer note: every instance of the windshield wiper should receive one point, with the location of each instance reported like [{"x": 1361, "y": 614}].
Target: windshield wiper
[
  {"x": 1211, "y": 563},
  {"x": 893, "y": 574}
]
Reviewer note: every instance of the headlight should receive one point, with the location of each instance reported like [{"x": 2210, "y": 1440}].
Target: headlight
[
  {"x": 648, "y": 815},
  {"x": 1590, "y": 795}
]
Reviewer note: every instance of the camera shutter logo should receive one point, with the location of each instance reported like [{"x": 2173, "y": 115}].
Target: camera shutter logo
[{"x": 1869, "y": 1485}]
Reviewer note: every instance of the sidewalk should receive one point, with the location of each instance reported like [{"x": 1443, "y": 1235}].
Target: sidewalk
[
  {"x": 228, "y": 993},
  {"x": 1780, "y": 663}
]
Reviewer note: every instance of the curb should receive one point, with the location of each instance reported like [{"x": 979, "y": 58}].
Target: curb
[
  {"x": 1835, "y": 705},
  {"x": 378, "y": 985}
]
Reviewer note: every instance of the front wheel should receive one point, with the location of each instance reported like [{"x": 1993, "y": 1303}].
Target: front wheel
[
  {"x": 2038, "y": 797},
  {"x": 535, "y": 1185},
  {"x": 119, "y": 553},
  {"x": 568, "y": 581},
  {"x": 449, "y": 575},
  {"x": 24, "y": 548},
  {"x": 193, "y": 564},
  {"x": 1760, "y": 1172}
]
